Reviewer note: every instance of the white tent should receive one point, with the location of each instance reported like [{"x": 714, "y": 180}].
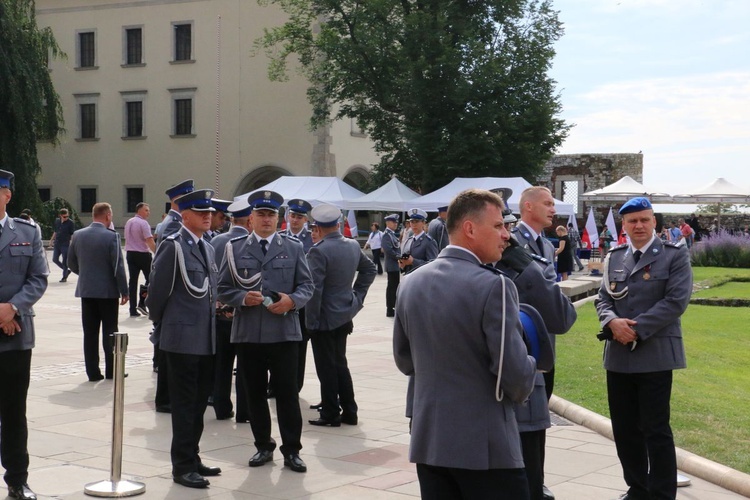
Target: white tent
[
  {"x": 443, "y": 196},
  {"x": 393, "y": 195},
  {"x": 624, "y": 189},
  {"x": 719, "y": 191},
  {"x": 316, "y": 190}
]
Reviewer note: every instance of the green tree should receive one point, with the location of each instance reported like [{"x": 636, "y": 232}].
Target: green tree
[
  {"x": 445, "y": 88},
  {"x": 30, "y": 109}
]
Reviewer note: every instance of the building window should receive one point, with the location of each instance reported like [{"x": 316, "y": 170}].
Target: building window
[
  {"x": 183, "y": 112},
  {"x": 133, "y": 196},
  {"x": 183, "y": 41},
  {"x": 45, "y": 193},
  {"x": 134, "y": 119},
  {"x": 133, "y": 45},
  {"x": 87, "y": 126},
  {"x": 86, "y": 52},
  {"x": 88, "y": 199},
  {"x": 356, "y": 130}
]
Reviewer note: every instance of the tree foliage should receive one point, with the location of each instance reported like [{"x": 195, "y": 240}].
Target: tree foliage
[
  {"x": 30, "y": 109},
  {"x": 445, "y": 88}
]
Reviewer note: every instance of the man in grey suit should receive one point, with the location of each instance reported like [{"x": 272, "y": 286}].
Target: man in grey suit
[
  {"x": 23, "y": 280},
  {"x": 392, "y": 251},
  {"x": 265, "y": 277},
  {"x": 95, "y": 255},
  {"x": 334, "y": 263},
  {"x": 645, "y": 289},
  {"x": 469, "y": 361},
  {"x": 182, "y": 300}
]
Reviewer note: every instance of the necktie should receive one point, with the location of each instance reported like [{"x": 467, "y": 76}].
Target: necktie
[
  {"x": 637, "y": 255},
  {"x": 202, "y": 248},
  {"x": 263, "y": 245},
  {"x": 539, "y": 245}
]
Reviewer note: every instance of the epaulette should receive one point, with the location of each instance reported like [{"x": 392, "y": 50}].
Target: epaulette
[
  {"x": 238, "y": 238},
  {"x": 540, "y": 258},
  {"x": 514, "y": 229},
  {"x": 494, "y": 270},
  {"x": 24, "y": 221},
  {"x": 671, "y": 244},
  {"x": 429, "y": 237},
  {"x": 619, "y": 247},
  {"x": 173, "y": 236},
  {"x": 291, "y": 238}
]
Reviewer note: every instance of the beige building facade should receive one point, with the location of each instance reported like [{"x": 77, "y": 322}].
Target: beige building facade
[{"x": 154, "y": 92}]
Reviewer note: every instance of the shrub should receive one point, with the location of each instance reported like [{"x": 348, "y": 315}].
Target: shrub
[{"x": 722, "y": 250}]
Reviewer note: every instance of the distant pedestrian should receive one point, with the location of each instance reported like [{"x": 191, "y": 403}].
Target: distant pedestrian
[
  {"x": 375, "y": 243},
  {"x": 139, "y": 244},
  {"x": 575, "y": 243},
  {"x": 60, "y": 242}
]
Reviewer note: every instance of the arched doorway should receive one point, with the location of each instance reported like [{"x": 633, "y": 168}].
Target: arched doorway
[
  {"x": 358, "y": 177},
  {"x": 259, "y": 178}
]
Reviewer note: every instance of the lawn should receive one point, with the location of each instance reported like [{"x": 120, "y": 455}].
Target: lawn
[
  {"x": 733, "y": 289},
  {"x": 710, "y": 399}
]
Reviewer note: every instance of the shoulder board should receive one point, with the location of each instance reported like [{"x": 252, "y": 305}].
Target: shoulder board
[
  {"x": 429, "y": 237},
  {"x": 238, "y": 238},
  {"x": 173, "y": 236},
  {"x": 514, "y": 229},
  {"x": 619, "y": 247},
  {"x": 24, "y": 221},
  {"x": 289, "y": 235},
  {"x": 671, "y": 244},
  {"x": 539, "y": 258},
  {"x": 493, "y": 269}
]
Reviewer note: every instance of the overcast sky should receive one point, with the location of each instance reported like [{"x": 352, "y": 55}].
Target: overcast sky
[{"x": 670, "y": 78}]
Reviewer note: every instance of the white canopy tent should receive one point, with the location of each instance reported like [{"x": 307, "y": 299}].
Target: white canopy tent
[
  {"x": 315, "y": 190},
  {"x": 719, "y": 191},
  {"x": 624, "y": 189},
  {"x": 442, "y": 197},
  {"x": 393, "y": 195}
]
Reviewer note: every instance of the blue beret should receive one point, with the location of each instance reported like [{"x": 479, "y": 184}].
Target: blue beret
[
  {"x": 635, "y": 205},
  {"x": 180, "y": 189},
  {"x": 240, "y": 208},
  {"x": 417, "y": 214},
  {"x": 299, "y": 206},
  {"x": 265, "y": 200},
  {"x": 198, "y": 200},
  {"x": 326, "y": 215},
  {"x": 220, "y": 205},
  {"x": 5, "y": 178}
]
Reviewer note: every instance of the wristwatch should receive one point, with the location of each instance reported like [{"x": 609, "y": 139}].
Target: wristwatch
[{"x": 15, "y": 309}]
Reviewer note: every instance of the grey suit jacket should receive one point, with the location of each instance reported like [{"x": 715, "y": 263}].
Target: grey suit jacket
[
  {"x": 454, "y": 354},
  {"x": 333, "y": 262},
  {"x": 95, "y": 255},
  {"x": 23, "y": 278},
  {"x": 283, "y": 269},
  {"x": 185, "y": 317},
  {"x": 391, "y": 247},
  {"x": 659, "y": 288}
]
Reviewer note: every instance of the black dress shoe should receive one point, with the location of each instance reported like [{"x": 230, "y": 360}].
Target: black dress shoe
[
  {"x": 125, "y": 375},
  {"x": 96, "y": 378},
  {"x": 205, "y": 470},
  {"x": 294, "y": 462},
  {"x": 547, "y": 494},
  {"x": 316, "y": 407},
  {"x": 164, "y": 409},
  {"x": 23, "y": 492},
  {"x": 390, "y": 313},
  {"x": 225, "y": 417},
  {"x": 324, "y": 422},
  {"x": 260, "y": 458},
  {"x": 349, "y": 419},
  {"x": 242, "y": 420},
  {"x": 191, "y": 480}
]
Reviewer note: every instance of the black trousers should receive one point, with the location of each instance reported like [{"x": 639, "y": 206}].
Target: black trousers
[
  {"x": 302, "y": 354},
  {"x": 639, "y": 409},
  {"x": 96, "y": 315},
  {"x": 376, "y": 259},
  {"x": 190, "y": 381},
  {"x": 336, "y": 387},
  {"x": 447, "y": 483},
  {"x": 281, "y": 359},
  {"x": 394, "y": 278},
  {"x": 15, "y": 370},
  {"x": 532, "y": 446},
  {"x": 138, "y": 262},
  {"x": 222, "y": 391},
  {"x": 60, "y": 258}
]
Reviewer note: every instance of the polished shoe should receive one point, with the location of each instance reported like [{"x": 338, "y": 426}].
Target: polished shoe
[
  {"x": 205, "y": 470},
  {"x": 547, "y": 494},
  {"x": 260, "y": 458},
  {"x": 191, "y": 480},
  {"x": 349, "y": 419},
  {"x": 142, "y": 310},
  {"x": 125, "y": 375},
  {"x": 294, "y": 462},
  {"x": 389, "y": 313},
  {"x": 96, "y": 378},
  {"x": 64, "y": 280},
  {"x": 324, "y": 422},
  {"x": 135, "y": 315},
  {"x": 225, "y": 417},
  {"x": 23, "y": 492},
  {"x": 317, "y": 406},
  {"x": 164, "y": 409}
]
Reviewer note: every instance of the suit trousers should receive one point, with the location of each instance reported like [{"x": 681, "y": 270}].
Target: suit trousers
[
  {"x": 394, "y": 278},
  {"x": 222, "y": 391},
  {"x": 302, "y": 359},
  {"x": 376, "y": 259},
  {"x": 138, "y": 262},
  {"x": 96, "y": 315},
  {"x": 532, "y": 447},
  {"x": 639, "y": 409},
  {"x": 60, "y": 258},
  {"x": 336, "y": 386},
  {"x": 190, "y": 382},
  {"x": 448, "y": 483},
  {"x": 15, "y": 370},
  {"x": 281, "y": 359}
]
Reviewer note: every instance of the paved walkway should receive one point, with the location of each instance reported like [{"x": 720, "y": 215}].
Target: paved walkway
[{"x": 70, "y": 426}]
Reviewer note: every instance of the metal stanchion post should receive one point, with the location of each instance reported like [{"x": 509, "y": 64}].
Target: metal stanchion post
[{"x": 116, "y": 487}]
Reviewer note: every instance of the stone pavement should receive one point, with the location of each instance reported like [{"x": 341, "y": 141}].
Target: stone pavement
[{"x": 70, "y": 426}]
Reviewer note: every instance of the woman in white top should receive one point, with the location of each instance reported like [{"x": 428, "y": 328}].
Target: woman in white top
[{"x": 375, "y": 243}]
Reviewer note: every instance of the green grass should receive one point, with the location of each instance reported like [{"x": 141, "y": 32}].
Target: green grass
[
  {"x": 733, "y": 289},
  {"x": 710, "y": 399}
]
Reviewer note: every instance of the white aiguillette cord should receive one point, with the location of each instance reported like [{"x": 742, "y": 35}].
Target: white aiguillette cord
[
  {"x": 498, "y": 392},
  {"x": 194, "y": 291},
  {"x": 246, "y": 283}
]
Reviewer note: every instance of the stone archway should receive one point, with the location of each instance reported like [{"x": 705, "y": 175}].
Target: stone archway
[
  {"x": 259, "y": 177},
  {"x": 358, "y": 177}
]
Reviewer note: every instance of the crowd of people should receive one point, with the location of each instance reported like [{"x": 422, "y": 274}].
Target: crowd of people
[{"x": 245, "y": 293}]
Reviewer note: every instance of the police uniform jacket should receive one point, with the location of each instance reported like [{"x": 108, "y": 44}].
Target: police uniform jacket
[
  {"x": 438, "y": 232},
  {"x": 95, "y": 255},
  {"x": 23, "y": 278},
  {"x": 304, "y": 237},
  {"x": 185, "y": 316},
  {"x": 392, "y": 250},
  {"x": 454, "y": 355},
  {"x": 171, "y": 224},
  {"x": 525, "y": 240},
  {"x": 283, "y": 269},
  {"x": 219, "y": 242},
  {"x": 658, "y": 292},
  {"x": 334, "y": 261},
  {"x": 422, "y": 249}
]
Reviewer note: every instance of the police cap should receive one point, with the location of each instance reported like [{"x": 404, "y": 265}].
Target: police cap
[
  {"x": 198, "y": 200},
  {"x": 5, "y": 178},
  {"x": 221, "y": 205},
  {"x": 326, "y": 215},
  {"x": 240, "y": 208},
  {"x": 417, "y": 214},
  {"x": 393, "y": 217},
  {"x": 265, "y": 200},
  {"x": 180, "y": 189},
  {"x": 300, "y": 207}
]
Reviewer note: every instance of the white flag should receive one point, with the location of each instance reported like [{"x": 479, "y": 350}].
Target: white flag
[
  {"x": 352, "y": 219},
  {"x": 590, "y": 234}
]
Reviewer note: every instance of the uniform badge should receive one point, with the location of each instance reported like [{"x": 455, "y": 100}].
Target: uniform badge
[
  {"x": 646, "y": 276},
  {"x": 646, "y": 272}
]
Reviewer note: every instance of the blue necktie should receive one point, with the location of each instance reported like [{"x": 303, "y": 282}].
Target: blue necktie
[{"x": 263, "y": 245}]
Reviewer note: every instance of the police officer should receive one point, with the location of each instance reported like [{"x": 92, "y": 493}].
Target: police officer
[
  {"x": 23, "y": 280},
  {"x": 419, "y": 248},
  {"x": 265, "y": 277},
  {"x": 173, "y": 221},
  {"x": 181, "y": 299},
  {"x": 218, "y": 218},
  {"x": 437, "y": 230},
  {"x": 392, "y": 251},
  {"x": 334, "y": 262}
]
